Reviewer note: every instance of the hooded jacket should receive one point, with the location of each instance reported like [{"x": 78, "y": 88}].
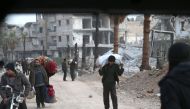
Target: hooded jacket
[
  {"x": 32, "y": 77},
  {"x": 19, "y": 84},
  {"x": 175, "y": 88}
]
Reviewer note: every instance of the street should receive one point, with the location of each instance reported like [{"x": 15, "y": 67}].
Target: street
[{"x": 74, "y": 95}]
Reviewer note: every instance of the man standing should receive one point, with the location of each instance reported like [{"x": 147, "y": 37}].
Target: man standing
[
  {"x": 24, "y": 66},
  {"x": 39, "y": 79},
  {"x": 17, "y": 81},
  {"x": 110, "y": 73},
  {"x": 64, "y": 69},
  {"x": 72, "y": 69}
]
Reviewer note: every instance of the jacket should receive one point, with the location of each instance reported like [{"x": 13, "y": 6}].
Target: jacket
[
  {"x": 18, "y": 84},
  {"x": 32, "y": 75},
  {"x": 110, "y": 73},
  {"x": 175, "y": 88},
  {"x": 64, "y": 66}
]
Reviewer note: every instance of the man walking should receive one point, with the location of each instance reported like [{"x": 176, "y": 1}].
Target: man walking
[
  {"x": 64, "y": 69},
  {"x": 110, "y": 73},
  {"x": 39, "y": 79},
  {"x": 72, "y": 69}
]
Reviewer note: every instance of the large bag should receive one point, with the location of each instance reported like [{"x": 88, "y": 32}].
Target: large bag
[{"x": 50, "y": 94}]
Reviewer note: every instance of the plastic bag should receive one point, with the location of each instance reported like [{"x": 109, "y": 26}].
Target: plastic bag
[
  {"x": 31, "y": 94},
  {"x": 50, "y": 94}
]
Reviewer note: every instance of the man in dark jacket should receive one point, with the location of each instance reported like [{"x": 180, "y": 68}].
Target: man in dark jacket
[
  {"x": 72, "y": 69},
  {"x": 64, "y": 69},
  {"x": 24, "y": 66},
  {"x": 17, "y": 81},
  {"x": 110, "y": 73},
  {"x": 175, "y": 86},
  {"x": 39, "y": 80}
]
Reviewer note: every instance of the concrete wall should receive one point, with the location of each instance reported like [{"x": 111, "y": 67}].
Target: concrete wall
[{"x": 179, "y": 33}]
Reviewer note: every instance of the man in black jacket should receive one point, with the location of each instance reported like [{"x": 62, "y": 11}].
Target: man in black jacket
[
  {"x": 110, "y": 73},
  {"x": 64, "y": 69},
  {"x": 17, "y": 81},
  {"x": 175, "y": 86},
  {"x": 39, "y": 80},
  {"x": 72, "y": 69}
]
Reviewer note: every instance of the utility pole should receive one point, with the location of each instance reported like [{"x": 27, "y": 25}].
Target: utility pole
[
  {"x": 76, "y": 55},
  {"x": 116, "y": 28},
  {"x": 96, "y": 38},
  {"x": 24, "y": 46},
  {"x": 24, "y": 43},
  {"x": 46, "y": 35},
  {"x": 83, "y": 53}
]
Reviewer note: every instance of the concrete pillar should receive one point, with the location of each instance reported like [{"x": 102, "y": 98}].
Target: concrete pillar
[{"x": 108, "y": 37}]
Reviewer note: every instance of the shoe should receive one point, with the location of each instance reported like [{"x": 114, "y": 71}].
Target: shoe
[
  {"x": 43, "y": 105},
  {"x": 38, "y": 106}
]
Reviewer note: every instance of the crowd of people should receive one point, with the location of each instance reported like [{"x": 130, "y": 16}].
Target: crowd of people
[{"x": 174, "y": 87}]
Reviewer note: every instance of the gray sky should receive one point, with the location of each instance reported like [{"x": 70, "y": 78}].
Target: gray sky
[{"x": 20, "y": 19}]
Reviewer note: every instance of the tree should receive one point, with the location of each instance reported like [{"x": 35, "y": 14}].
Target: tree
[
  {"x": 96, "y": 39},
  {"x": 12, "y": 41},
  {"x": 23, "y": 34},
  {"x": 117, "y": 20},
  {"x": 4, "y": 43},
  {"x": 145, "y": 58}
]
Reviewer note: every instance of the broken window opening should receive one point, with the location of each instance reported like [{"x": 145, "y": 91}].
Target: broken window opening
[
  {"x": 86, "y": 39},
  {"x": 67, "y": 38},
  {"x": 41, "y": 29},
  {"x": 59, "y": 38},
  {"x": 54, "y": 28},
  {"x": 86, "y": 23},
  {"x": 182, "y": 26},
  {"x": 59, "y": 22},
  {"x": 41, "y": 42},
  {"x": 68, "y": 22}
]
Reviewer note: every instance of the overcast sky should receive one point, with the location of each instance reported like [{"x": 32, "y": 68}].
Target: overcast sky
[{"x": 20, "y": 19}]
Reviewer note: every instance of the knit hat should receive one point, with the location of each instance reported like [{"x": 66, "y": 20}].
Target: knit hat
[
  {"x": 111, "y": 58},
  {"x": 10, "y": 66}
]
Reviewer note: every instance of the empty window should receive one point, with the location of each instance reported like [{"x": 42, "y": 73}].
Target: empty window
[
  {"x": 59, "y": 38},
  {"x": 67, "y": 38},
  {"x": 42, "y": 43},
  {"x": 182, "y": 26},
  {"x": 94, "y": 23},
  {"x": 41, "y": 29},
  {"x": 67, "y": 21},
  {"x": 86, "y": 39},
  {"x": 59, "y": 22},
  {"x": 86, "y": 23},
  {"x": 54, "y": 29}
]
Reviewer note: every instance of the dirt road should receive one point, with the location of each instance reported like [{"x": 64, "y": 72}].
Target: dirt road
[{"x": 75, "y": 95}]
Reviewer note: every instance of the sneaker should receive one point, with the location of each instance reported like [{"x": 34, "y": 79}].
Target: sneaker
[{"x": 43, "y": 105}]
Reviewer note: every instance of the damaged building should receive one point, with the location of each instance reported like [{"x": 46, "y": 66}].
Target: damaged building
[{"x": 56, "y": 35}]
